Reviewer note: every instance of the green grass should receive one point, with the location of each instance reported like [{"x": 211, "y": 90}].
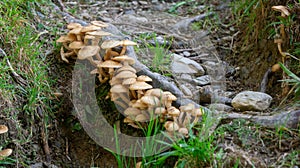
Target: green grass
[{"x": 21, "y": 42}]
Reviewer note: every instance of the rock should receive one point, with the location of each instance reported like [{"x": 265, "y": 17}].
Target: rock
[
  {"x": 186, "y": 53},
  {"x": 202, "y": 80},
  {"x": 249, "y": 100},
  {"x": 220, "y": 107},
  {"x": 181, "y": 65},
  {"x": 210, "y": 94}
]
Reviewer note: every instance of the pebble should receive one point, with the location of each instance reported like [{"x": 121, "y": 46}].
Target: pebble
[
  {"x": 202, "y": 80},
  {"x": 186, "y": 53}
]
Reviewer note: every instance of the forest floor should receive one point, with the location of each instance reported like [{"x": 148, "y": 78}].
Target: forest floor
[{"x": 66, "y": 144}]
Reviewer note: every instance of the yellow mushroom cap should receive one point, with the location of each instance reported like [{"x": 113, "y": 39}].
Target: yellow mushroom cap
[
  {"x": 3, "y": 129},
  {"x": 284, "y": 11},
  {"x": 132, "y": 111},
  {"x": 155, "y": 92},
  {"x": 124, "y": 58},
  {"x": 5, "y": 153},
  {"x": 110, "y": 44},
  {"x": 99, "y": 23},
  {"x": 144, "y": 78},
  {"x": 90, "y": 28},
  {"x": 160, "y": 110},
  {"x": 88, "y": 51},
  {"x": 76, "y": 30},
  {"x": 125, "y": 74},
  {"x": 110, "y": 64},
  {"x": 128, "y": 43},
  {"x": 76, "y": 45},
  {"x": 140, "y": 86},
  {"x": 171, "y": 126},
  {"x": 126, "y": 68},
  {"x": 151, "y": 100},
  {"x": 68, "y": 38},
  {"x": 141, "y": 118},
  {"x": 99, "y": 33},
  {"x": 129, "y": 81},
  {"x": 118, "y": 89},
  {"x": 173, "y": 111},
  {"x": 275, "y": 68},
  {"x": 73, "y": 25}
]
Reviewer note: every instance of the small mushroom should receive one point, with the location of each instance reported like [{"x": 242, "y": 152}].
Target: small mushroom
[
  {"x": 3, "y": 129},
  {"x": 121, "y": 91},
  {"x": 99, "y": 24},
  {"x": 197, "y": 113},
  {"x": 76, "y": 45},
  {"x": 126, "y": 60},
  {"x": 168, "y": 98},
  {"x": 173, "y": 112},
  {"x": 110, "y": 64},
  {"x": 125, "y": 75},
  {"x": 110, "y": 53},
  {"x": 71, "y": 26},
  {"x": 90, "y": 40},
  {"x": 139, "y": 87},
  {"x": 131, "y": 111},
  {"x": 77, "y": 31},
  {"x": 98, "y": 34},
  {"x": 90, "y": 28},
  {"x": 151, "y": 101},
  {"x": 109, "y": 44},
  {"x": 144, "y": 78},
  {"x": 160, "y": 111},
  {"x": 275, "y": 68},
  {"x": 5, "y": 153},
  {"x": 65, "y": 40},
  {"x": 87, "y": 52},
  {"x": 171, "y": 126},
  {"x": 140, "y": 105},
  {"x": 126, "y": 68},
  {"x": 141, "y": 118},
  {"x": 184, "y": 131},
  {"x": 126, "y": 43}
]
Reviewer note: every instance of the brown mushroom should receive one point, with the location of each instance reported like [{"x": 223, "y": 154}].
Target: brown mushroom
[
  {"x": 98, "y": 34},
  {"x": 168, "y": 98},
  {"x": 124, "y": 44},
  {"x": 90, "y": 28},
  {"x": 126, "y": 60},
  {"x": 65, "y": 40},
  {"x": 110, "y": 64},
  {"x": 110, "y": 53},
  {"x": 171, "y": 126},
  {"x": 131, "y": 111},
  {"x": 144, "y": 78},
  {"x": 139, "y": 87},
  {"x": 3, "y": 129},
  {"x": 173, "y": 112},
  {"x": 71, "y": 26},
  {"x": 126, "y": 68},
  {"x": 87, "y": 52},
  {"x": 5, "y": 153},
  {"x": 77, "y": 31},
  {"x": 151, "y": 101},
  {"x": 184, "y": 131},
  {"x": 121, "y": 92}
]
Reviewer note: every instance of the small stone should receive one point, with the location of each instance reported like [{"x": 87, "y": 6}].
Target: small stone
[
  {"x": 143, "y": 2},
  {"x": 249, "y": 100},
  {"x": 220, "y": 107},
  {"x": 186, "y": 53},
  {"x": 181, "y": 64},
  {"x": 135, "y": 3},
  {"x": 186, "y": 90},
  {"x": 202, "y": 80}
]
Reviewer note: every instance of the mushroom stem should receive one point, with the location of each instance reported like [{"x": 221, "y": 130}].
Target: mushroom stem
[
  {"x": 66, "y": 46},
  {"x": 121, "y": 104},
  {"x": 133, "y": 94},
  {"x": 123, "y": 51},
  {"x": 98, "y": 57},
  {"x": 92, "y": 61}
]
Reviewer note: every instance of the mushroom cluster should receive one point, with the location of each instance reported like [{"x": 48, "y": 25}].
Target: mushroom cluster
[
  {"x": 133, "y": 94},
  {"x": 5, "y": 152}
]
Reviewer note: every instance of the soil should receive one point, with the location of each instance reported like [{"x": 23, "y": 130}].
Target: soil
[{"x": 70, "y": 146}]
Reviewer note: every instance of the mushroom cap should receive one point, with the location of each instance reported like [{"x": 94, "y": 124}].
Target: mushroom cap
[
  {"x": 73, "y": 25},
  {"x": 99, "y": 23},
  {"x": 132, "y": 111},
  {"x": 141, "y": 118},
  {"x": 68, "y": 38},
  {"x": 187, "y": 108},
  {"x": 125, "y": 74},
  {"x": 144, "y": 78},
  {"x": 109, "y": 64},
  {"x": 124, "y": 58},
  {"x": 110, "y": 44},
  {"x": 160, "y": 110},
  {"x": 129, "y": 81},
  {"x": 155, "y": 92},
  {"x": 173, "y": 111},
  {"x": 95, "y": 71},
  {"x": 5, "y": 153},
  {"x": 88, "y": 51},
  {"x": 140, "y": 86},
  {"x": 278, "y": 41},
  {"x": 275, "y": 68},
  {"x": 197, "y": 112},
  {"x": 281, "y": 9},
  {"x": 118, "y": 89},
  {"x": 126, "y": 68},
  {"x": 139, "y": 104},
  {"x": 99, "y": 33},
  {"x": 184, "y": 131},
  {"x": 90, "y": 28},
  {"x": 89, "y": 37},
  {"x": 128, "y": 43},
  {"x": 151, "y": 100},
  {"x": 3, "y": 129},
  {"x": 76, "y": 45},
  {"x": 128, "y": 120},
  {"x": 76, "y": 30},
  {"x": 171, "y": 126},
  {"x": 115, "y": 81},
  {"x": 169, "y": 96}
]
